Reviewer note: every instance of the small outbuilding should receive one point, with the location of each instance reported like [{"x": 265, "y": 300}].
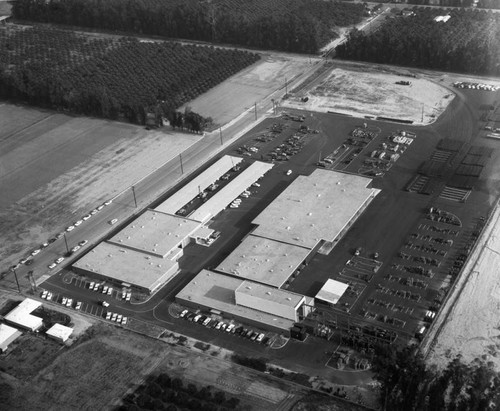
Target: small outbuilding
[
  {"x": 7, "y": 335},
  {"x": 332, "y": 291},
  {"x": 59, "y": 332}
]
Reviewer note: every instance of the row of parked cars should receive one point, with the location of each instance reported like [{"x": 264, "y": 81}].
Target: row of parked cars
[
  {"x": 230, "y": 328},
  {"x": 87, "y": 216},
  {"x": 67, "y": 302},
  {"x": 115, "y": 317}
]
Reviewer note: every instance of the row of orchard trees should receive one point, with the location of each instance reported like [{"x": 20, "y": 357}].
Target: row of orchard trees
[
  {"x": 111, "y": 78},
  {"x": 468, "y": 42},
  {"x": 291, "y": 25}
]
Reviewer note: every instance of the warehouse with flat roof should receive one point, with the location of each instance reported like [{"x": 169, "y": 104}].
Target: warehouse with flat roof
[
  {"x": 264, "y": 260},
  {"x": 184, "y": 195},
  {"x": 246, "y": 301},
  {"x": 118, "y": 264},
  {"x": 156, "y": 233},
  {"x": 315, "y": 208},
  {"x": 231, "y": 191},
  {"x": 21, "y": 315}
]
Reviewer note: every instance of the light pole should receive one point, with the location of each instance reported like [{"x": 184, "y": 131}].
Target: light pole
[
  {"x": 182, "y": 169},
  {"x": 135, "y": 199},
  {"x": 66, "y": 242},
  {"x": 17, "y": 281},
  {"x": 220, "y": 133}
]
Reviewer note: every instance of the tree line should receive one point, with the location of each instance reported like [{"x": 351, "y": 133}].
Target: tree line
[
  {"x": 407, "y": 383},
  {"x": 115, "y": 78},
  {"x": 290, "y": 25},
  {"x": 468, "y": 42}
]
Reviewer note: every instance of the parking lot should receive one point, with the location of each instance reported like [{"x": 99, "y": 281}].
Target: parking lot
[{"x": 408, "y": 254}]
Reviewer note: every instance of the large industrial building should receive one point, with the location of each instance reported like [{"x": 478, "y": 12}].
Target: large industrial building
[
  {"x": 313, "y": 210},
  {"x": 8, "y": 335},
  {"x": 246, "y": 301},
  {"x": 145, "y": 254}
]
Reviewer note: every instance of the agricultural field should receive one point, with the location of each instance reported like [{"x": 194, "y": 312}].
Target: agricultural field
[
  {"x": 67, "y": 166},
  {"x": 287, "y": 25},
  {"x": 468, "y": 42},
  {"x": 116, "y": 78},
  {"x": 371, "y": 93}
]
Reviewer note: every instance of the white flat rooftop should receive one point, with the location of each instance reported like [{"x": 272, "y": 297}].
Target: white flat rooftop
[
  {"x": 60, "y": 332},
  {"x": 21, "y": 315},
  {"x": 232, "y": 190},
  {"x": 271, "y": 294},
  {"x": 7, "y": 335},
  {"x": 155, "y": 233},
  {"x": 183, "y": 196},
  {"x": 217, "y": 291},
  {"x": 125, "y": 265},
  {"x": 314, "y": 208},
  {"x": 263, "y": 260},
  {"x": 331, "y": 291}
]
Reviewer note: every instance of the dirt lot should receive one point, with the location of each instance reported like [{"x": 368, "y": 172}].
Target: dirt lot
[
  {"x": 474, "y": 333},
  {"x": 54, "y": 165},
  {"x": 97, "y": 373},
  {"x": 240, "y": 92},
  {"x": 374, "y": 92}
]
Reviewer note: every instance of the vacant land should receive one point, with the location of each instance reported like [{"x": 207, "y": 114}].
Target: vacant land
[
  {"x": 97, "y": 373},
  {"x": 474, "y": 333},
  {"x": 240, "y": 92},
  {"x": 374, "y": 93},
  {"x": 54, "y": 166}
]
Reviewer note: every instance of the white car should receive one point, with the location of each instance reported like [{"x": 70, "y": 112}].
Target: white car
[
  {"x": 78, "y": 305},
  {"x": 59, "y": 260},
  {"x": 35, "y": 252},
  {"x": 119, "y": 318},
  {"x": 78, "y": 223},
  {"x": 49, "y": 296},
  {"x": 64, "y": 301},
  {"x": 113, "y": 318},
  {"x": 52, "y": 265},
  {"x": 96, "y": 286},
  {"x": 129, "y": 295},
  {"x": 256, "y": 185},
  {"x": 108, "y": 202},
  {"x": 69, "y": 303},
  {"x": 219, "y": 325},
  {"x": 183, "y": 313},
  {"x": 124, "y": 320},
  {"x": 108, "y": 315},
  {"x": 44, "y": 294},
  {"x": 234, "y": 206},
  {"x": 75, "y": 248},
  {"x": 289, "y": 172},
  {"x": 105, "y": 304},
  {"x": 91, "y": 285},
  {"x": 82, "y": 243},
  {"x": 70, "y": 228},
  {"x": 260, "y": 337},
  {"x": 105, "y": 289},
  {"x": 100, "y": 207},
  {"x": 113, "y": 221},
  {"x": 230, "y": 327},
  {"x": 195, "y": 319},
  {"x": 46, "y": 244},
  {"x": 110, "y": 291},
  {"x": 94, "y": 211},
  {"x": 86, "y": 217}
]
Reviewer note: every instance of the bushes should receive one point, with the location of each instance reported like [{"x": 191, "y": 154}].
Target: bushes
[
  {"x": 259, "y": 364},
  {"x": 164, "y": 393}
]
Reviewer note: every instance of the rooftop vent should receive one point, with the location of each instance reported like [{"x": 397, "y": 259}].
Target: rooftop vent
[{"x": 268, "y": 292}]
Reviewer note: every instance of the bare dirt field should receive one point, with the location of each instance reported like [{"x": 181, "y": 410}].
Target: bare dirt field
[
  {"x": 53, "y": 166},
  {"x": 240, "y": 92},
  {"x": 472, "y": 328},
  {"x": 97, "y": 373},
  {"x": 373, "y": 93}
]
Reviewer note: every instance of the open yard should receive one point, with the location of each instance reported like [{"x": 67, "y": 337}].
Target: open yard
[
  {"x": 54, "y": 167},
  {"x": 241, "y": 91},
  {"x": 374, "y": 93}
]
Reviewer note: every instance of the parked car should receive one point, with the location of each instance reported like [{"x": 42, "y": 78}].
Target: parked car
[
  {"x": 197, "y": 318},
  {"x": 260, "y": 337},
  {"x": 124, "y": 320},
  {"x": 69, "y": 303},
  {"x": 77, "y": 223},
  {"x": 82, "y": 243},
  {"x": 108, "y": 315},
  {"x": 207, "y": 321},
  {"x": 35, "y": 252},
  {"x": 59, "y": 260},
  {"x": 110, "y": 290},
  {"x": 108, "y": 202},
  {"x": 230, "y": 328},
  {"x": 113, "y": 317},
  {"x": 113, "y": 221},
  {"x": 183, "y": 313},
  {"x": 105, "y": 304},
  {"x": 289, "y": 172},
  {"x": 75, "y": 249},
  {"x": 105, "y": 289},
  {"x": 52, "y": 265},
  {"x": 44, "y": 294},
  {"x": 70, "y": 228},
  {"x": 78, "y": 305},
  {"x": 86, "y": 217},
  {"x": 91, "y": 285}
]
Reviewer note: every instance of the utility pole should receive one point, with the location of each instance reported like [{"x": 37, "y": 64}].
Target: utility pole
[
  {"x": 66, "y": 242},
  {"x": 17, "y": 281},
  {"x": 255, "y": 107},
  {"x": 135, "y": 199},
  {"x": 220, "y": 133},
  {"x": 32, "y": 281},
  {"x": 182, "y": 169}
]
